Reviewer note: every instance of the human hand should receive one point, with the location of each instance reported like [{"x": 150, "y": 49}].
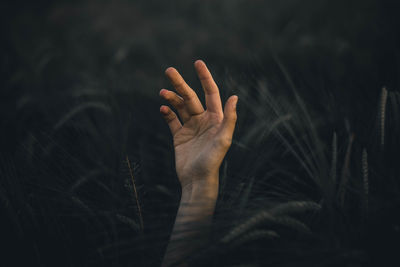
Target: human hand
[{"x": 201, "y": 137}]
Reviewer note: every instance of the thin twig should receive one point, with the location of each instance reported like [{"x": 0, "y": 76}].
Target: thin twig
[
  {"x": 345, "y": 171},
  {"x": 382, "y": 115},
  {"x": 334, "y": 159},
  {"x": 364, "y": 161},
  {"x": 135, "y": 191}
]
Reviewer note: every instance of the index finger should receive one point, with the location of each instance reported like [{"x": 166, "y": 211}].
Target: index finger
[{"x": 213, "y": 99}]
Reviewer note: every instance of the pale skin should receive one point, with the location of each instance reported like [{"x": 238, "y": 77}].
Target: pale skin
[{"x": 202, "y": 137}]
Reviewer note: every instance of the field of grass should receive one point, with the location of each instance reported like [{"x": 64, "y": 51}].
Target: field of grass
[{"x": 87, "y": 167}]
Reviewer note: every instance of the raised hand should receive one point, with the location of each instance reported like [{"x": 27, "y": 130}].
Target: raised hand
[
  {"x": 201, "y": 140},
  {"x": 201, "y": 137}
]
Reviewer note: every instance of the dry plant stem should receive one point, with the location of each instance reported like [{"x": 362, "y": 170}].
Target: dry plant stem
[
  {"x": 382, "y": 114},
  {"x": 135, "y": 191},
  {"x": 334, "y": 159},
  {"x": 345, "y": 171},
  {"x": 364, "y": 162},
  {"x": 193, "y": 221}
]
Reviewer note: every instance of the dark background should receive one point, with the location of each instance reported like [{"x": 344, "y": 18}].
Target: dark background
[{"x": 80, "y": 83}]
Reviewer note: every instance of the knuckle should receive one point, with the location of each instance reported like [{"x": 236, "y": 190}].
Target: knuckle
[
  {"x": 217, "y": 117},
  {"x": 234, "y": 117},
  {"x": 166, "y": 95},
  {"x": 224, "y": 141},
  {"x": 204, "y": 78},
  {"x": 187, "y": 95},
  {"x": 170, "y": 118},
  {"x": 188, "y": 99},
  {"x": 178, "y": 104},
  {"x": 178, "y": 84},
  {"x": 227, "y": 142}
]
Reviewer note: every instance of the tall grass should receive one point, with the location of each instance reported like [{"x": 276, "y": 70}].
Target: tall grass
[{"x": 293, "y": 189}]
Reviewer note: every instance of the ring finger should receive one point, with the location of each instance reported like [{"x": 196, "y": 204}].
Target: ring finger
[{"x": 177, "y": 102}]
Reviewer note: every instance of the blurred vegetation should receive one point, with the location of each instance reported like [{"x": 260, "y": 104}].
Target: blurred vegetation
[{"x": 312, "y": 177}]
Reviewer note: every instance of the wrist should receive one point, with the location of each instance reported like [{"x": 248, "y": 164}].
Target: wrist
[
  {"x": 201, "y": 189},
  {"x": 199, "y": 178}
]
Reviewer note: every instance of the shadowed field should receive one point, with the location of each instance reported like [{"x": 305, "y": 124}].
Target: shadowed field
[{"x": 312, "y": 177}]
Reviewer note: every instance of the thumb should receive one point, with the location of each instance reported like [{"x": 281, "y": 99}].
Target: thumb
[{"x": 230, "y": 117}]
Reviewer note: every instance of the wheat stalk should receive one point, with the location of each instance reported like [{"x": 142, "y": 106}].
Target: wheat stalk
[
  {"x": 295, "y": 207},
  {"x": 293, "y": 224},
  {"x": 128, "y": 221},
  {"x": 247, "y": 225},
  {"x": 382, "y": 114},
  {"x": 334, "y": 158},
  {"x": 255, "y": 235},
  {"x": 246, "y": 265},
  {"x": 266, "y": 218},
  {"x": 135, "y": 192},
  {"x": 345, "y": 171},
  {"x": 364, "y": 162},
  {"x": 82, "y": 205}
]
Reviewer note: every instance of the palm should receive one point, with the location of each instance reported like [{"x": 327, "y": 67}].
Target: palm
[
  {"x": 194, "y": 146},
  {"x": 205, "y": 136}
]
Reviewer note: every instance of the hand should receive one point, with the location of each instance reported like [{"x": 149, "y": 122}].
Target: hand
[{"x": 201, "y": 137}]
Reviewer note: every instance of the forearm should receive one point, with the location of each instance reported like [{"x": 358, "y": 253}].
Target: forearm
[{"x": 193, "y": 220}]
